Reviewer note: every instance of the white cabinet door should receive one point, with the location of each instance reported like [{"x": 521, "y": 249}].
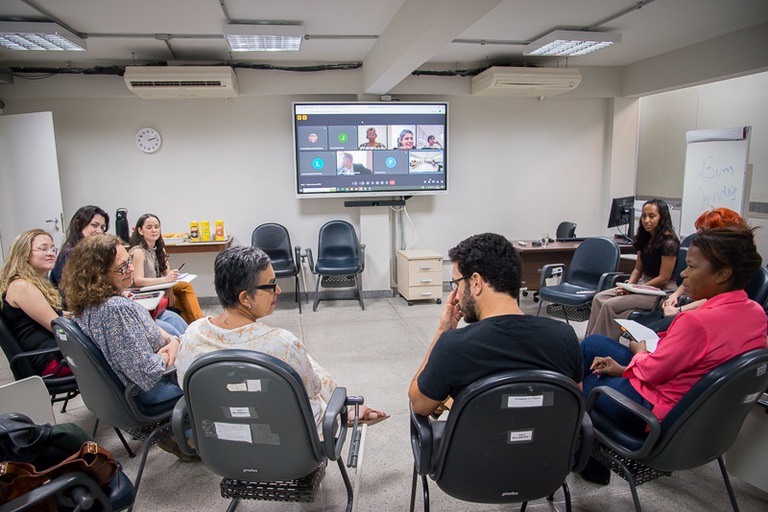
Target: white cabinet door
[{"x": 30, "y": 192}]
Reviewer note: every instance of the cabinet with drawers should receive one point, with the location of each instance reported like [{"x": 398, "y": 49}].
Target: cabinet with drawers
[{"x": 420, "y": 275}]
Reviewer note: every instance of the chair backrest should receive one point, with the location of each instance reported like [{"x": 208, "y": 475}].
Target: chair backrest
[
  {"x": 757, "y": 289},
  {"x": 274, "y": 240},
  {"x": 102, "y": 391},
  {"x": 23, "y": 368},
  {"x": 566, "y": 230},
  {"x": 337, "y": 240},
  {"x": 680, "y": 264},
  {"x": 251, "y": 417},
  {"x": 510, "y": 437},
  {"x": 592, "y": 258},
  {"x": 686, "y": 242},
  {"x": 705, "y": 422}
]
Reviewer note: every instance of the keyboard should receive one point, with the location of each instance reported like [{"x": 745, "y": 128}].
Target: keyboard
[{"x": 574, "y": 239}]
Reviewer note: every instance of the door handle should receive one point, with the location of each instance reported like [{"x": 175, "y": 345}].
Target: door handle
[{"x": 55, "y": 223}]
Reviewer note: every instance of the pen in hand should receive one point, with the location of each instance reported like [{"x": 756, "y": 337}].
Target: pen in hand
[{"x": 182, "y": 266}]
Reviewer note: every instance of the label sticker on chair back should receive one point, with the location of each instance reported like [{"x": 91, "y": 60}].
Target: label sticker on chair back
[
  {"x": 750, "y": 399},
  {"x": 520, "y": 436},
  {"x": 252, "y": 385},
  {"x": 523, "y": 401},
  {"x": 761, "y": 370}
]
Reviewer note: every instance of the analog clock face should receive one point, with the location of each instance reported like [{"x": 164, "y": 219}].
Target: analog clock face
[{"x": 148, "y": 140}]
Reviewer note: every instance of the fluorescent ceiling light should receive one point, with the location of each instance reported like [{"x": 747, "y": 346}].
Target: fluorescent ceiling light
[
  {"x": 570, "y": 43},
  {"x": 263, "y": 38},
  {"x": 39, "y": 36}
]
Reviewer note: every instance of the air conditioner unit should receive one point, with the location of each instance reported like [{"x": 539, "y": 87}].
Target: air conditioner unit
[
  {"x": 509, "y": 81},
  {"x": 173, "y": 82}
]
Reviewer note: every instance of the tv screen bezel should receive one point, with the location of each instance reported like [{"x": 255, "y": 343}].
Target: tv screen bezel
[{"x": 374, "y": 193}]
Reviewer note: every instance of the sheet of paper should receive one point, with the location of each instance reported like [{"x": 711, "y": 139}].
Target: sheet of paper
[{"x": 639, "y": 332}]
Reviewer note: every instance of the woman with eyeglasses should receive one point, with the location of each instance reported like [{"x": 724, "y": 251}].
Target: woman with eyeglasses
[
  {"x": 29, "y": 301},
  {"x": 88, "y": 220},
  {"x": 98, "y": 271},
  {"x": 246, "y": 287},
  {"x": 151, "y": 267}
]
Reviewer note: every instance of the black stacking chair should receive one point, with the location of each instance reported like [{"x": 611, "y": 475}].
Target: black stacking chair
[
  {"x": 268, "y": 448},
  {"x": 105, "y": 395},
  {"x": 340, "y": 259},
  {"x": 511, "y": 437},
  {"x": 274, "y": 240},
  {"x": 61, "y": 389},
  {"x": 699, "y": 429},
  {"x": 594, "y": 262}
]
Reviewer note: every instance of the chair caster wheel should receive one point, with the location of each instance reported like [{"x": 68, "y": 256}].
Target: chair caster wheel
[
  {"x": 439, "y": 301},
  {"x": 525, "y": 293},
  {"x": 535, "y": 299}
]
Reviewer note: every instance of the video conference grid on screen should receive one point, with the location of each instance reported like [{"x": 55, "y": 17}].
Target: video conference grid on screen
[{"x": 395, "y": 148}]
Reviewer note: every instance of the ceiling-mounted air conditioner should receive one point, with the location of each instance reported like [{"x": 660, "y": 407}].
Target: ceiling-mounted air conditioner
[
  {"x": 511, "y": 81},
  {"x": 174, "y": 82}
]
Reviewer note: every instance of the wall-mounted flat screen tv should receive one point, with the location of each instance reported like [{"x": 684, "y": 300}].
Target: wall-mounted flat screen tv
[{"x": 370, "y": 149}]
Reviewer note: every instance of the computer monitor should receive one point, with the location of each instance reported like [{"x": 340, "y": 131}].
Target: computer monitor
[{"x": 623, "y": 212}]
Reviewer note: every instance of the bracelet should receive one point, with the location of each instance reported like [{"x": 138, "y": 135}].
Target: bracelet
[{"x": 680, "y": 309}]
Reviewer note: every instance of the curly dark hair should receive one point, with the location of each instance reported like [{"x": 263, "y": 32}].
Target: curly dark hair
[
  {"x": 84, "y": 280},
  {"x": 138, "y": 240},
  {"x": 733, "y": 248},
  {"x": 665, "y": 230},
  {"x": 493, "y": 257}
]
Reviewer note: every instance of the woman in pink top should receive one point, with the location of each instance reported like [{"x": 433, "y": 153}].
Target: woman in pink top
[{"x": 720, "y": 263}]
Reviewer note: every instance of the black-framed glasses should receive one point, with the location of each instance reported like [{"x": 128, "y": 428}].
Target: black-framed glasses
[
  {"x": 455, "y": 283},
  {"x": 124, "y": 267},
  {"x": 272, "y": 287}
]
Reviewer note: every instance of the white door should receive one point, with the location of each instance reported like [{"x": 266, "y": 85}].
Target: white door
[{"x": 30, "y": 192}]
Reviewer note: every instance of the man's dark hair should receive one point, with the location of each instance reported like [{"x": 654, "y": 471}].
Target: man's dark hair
[{"x": 493, "y": 257}]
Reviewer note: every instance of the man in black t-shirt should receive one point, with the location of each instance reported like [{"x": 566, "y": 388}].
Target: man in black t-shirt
[{"x": 486, "y": 282}]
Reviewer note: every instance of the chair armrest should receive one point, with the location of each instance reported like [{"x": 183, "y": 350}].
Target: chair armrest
[
  {"x": 337, "y": 408},
  {"x": 548, "y": 271},
  {"x": 297, "y": 256},
  {"x": 421, "y": 442},
  {"x": 362, "y": 257},
  {"x": 131, "y": 390},
  {"x": 178, "y": 419},
  {"x": 609, "y": 280},
  {"x": 15, "y": 360},
  {"x": 311, "y": 260},
  {"x": 70, "y": 489},
  {"x": 654, "y": 427},
  {"x": 586, "y": 440}
]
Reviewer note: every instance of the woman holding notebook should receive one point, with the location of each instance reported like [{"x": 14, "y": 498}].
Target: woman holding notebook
[
  {"x": 151, "y": 267},
  {"x": 657, "y": 246},
  {"x": 721, "y": 262}
]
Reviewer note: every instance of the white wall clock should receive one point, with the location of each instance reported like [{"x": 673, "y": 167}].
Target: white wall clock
[{"x": 148, "y": 140}]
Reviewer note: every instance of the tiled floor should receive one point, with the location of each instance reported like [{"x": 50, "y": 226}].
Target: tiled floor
[{"x": 375, "y": 353}]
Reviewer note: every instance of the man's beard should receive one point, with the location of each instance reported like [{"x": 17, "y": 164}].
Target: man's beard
[{"x": 469, "y": 307}]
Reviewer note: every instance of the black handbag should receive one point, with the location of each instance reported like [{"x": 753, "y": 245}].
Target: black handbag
[{"x": 21, "y": 440}]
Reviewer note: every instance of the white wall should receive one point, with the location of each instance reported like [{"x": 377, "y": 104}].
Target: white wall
[{"x": 518, "y": 166}]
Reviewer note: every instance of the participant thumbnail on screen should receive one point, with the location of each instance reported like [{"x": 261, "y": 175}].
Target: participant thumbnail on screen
[
  {"x": 430, "y": 136},
  {"x": 354, "y": 163},
  {"x": 426, "y": 162},
  {"x": 372, "y": 137},
  {"x": 403, "y": 137}
]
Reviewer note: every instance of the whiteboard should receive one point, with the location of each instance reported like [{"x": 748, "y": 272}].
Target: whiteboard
[{"x": 715, "y": 173}]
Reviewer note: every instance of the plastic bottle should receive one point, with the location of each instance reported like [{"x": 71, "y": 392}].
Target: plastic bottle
[
  {"x": 219, "y": 230},
  {"x": 194, "y": 232},
  {"x": 205, "y": 231}
]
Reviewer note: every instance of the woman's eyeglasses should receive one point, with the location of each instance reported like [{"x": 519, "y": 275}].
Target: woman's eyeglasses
[
  {"x": 124, "y": 267},
  {"x": 45, "y": 249},
  {"x": 272, "y": 287}
]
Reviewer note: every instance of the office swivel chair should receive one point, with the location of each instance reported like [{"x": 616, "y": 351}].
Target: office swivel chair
[{"x": 566, "y": 230}]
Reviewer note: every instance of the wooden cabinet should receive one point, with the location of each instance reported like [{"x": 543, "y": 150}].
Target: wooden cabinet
[{"x": 420, "y": 275}]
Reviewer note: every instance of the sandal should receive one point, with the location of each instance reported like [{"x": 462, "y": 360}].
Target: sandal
[{"x": 365, "y": 417}]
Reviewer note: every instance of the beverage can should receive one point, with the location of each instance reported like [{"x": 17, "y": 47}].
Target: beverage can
[
  {"x": 205, "y": 231},
  {"x": 219, "y": 230},
  {"x": 194, "y": 233}
]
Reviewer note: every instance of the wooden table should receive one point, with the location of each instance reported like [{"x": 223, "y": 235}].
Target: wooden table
[
  {"x": 192, "y": 247},
  {"x": 533, "y": 258}
]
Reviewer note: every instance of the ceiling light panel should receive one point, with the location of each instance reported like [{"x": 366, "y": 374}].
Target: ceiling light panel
[
  {"x": 263, "y": 38},
  {"x": 570, "y": 43},
  {"x": 34, "y": 36}
]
